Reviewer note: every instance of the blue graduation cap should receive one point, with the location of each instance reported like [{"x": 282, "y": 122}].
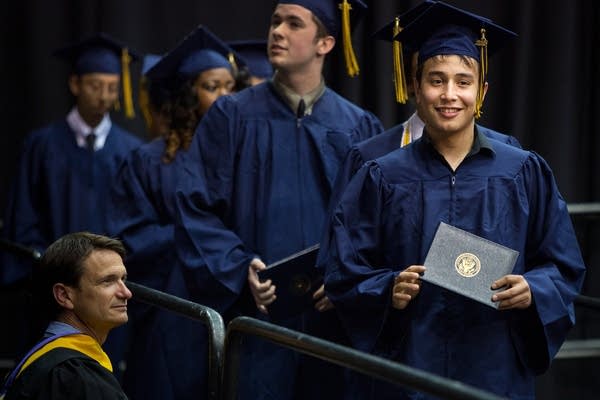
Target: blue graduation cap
[
  {"x": 254, "y": 54},
  {"x": 199, "y": 51},
  {"x": 456, "y": 32},
  {"x": 101, "y": 53},
  {"x": 388, "y": 32},
  {"x": 149, "y": 61},
  {"x": 335, "y": 14}
]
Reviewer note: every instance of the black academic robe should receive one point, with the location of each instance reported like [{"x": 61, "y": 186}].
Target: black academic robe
[{"x": 63, "y": 374}]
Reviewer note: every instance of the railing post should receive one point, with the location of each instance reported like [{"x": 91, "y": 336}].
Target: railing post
[{"x": 211, "y": 318}]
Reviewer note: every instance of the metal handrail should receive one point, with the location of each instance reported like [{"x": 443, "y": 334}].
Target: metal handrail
[
  {"x": 368, "y": 364},
  {"x": 19, "y": 249},
  {"x": 587, "y": 301},
  {"x": 211, "y": 318},
  {"x": 584, "y": 209}
]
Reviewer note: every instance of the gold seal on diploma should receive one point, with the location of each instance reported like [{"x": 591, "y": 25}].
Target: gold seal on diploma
[{"x": 467, "y": 264}]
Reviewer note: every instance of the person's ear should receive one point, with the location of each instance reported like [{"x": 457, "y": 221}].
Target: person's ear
[
  {"x": 74, "y": 85},
  {"x": 325, "y": 45},
  {"x": 63, "y": 295},
  {"x": 416, "y": 89}
]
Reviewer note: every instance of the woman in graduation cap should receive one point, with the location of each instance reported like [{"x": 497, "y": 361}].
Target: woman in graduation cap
[
  {"x": 382, "y": 227},
  {"x": 195, "y": 73}
]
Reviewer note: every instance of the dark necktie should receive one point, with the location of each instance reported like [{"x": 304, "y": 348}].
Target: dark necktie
[
  {"x": 301, "y": 109},
  {"x": 90, "y": 140}
]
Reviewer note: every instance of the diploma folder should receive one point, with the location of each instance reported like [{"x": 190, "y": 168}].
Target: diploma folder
[
  {"x": 466, "y": 263},
  {"x": 296, "y": 279}
]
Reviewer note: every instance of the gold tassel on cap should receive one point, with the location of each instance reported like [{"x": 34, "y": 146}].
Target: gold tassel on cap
[
  {"x": 483, "y": 69},
  {"x": 127, "y": 91},
  {"x": 399, "y": 78},
  {"x": 351, "y": 63},
  {"x": 234, "y": 66}
]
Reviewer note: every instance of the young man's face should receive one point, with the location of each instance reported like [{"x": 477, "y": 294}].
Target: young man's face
[
  {"x": 292, "y": 40},
  {"x": 100, "y": 300},
  {"x": 96, "y": 94},
  {"x": 447, "y": 93}
]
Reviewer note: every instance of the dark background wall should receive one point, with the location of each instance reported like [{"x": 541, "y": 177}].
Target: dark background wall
[{"x": 543, "y": 89}]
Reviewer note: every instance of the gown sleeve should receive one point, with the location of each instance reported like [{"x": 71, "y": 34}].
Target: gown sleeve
[
  {"x": 359, "y": 280},
  {"x": 22, "y": 223},
  {"x": 555, "y": 269},
  {"x": 139, "y": 216},
  {"x": 209, "y": 249}
]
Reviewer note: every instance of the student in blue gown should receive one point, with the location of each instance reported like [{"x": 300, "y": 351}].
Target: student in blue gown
[
  {"x": 406, "y": 132},
  {"x": 63, "y": 178},
  {"x": 384, "y": 223},
  {"x": 168, "y": 356},
  {"x": 270, "y": 154}
]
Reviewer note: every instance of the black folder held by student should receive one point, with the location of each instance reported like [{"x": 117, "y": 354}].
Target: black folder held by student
[
  {"x": 296, "y": 280},
  {"x": 466, "y": 263}
]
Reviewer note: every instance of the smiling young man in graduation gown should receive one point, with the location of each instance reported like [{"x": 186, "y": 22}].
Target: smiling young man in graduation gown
[
  {"x": 386, "y": 219},
  {"x": 270, "y": 154}
]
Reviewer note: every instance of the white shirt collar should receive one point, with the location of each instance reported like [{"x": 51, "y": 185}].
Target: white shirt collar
[{"x": 82, "y": 129}]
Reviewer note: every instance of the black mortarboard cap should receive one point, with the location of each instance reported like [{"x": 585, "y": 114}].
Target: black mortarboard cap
[
  {"x": 391, "y": 29},
  {"x": 101, "y": 53},
  {"x": 254, "y": 54},
  {"x": 98, "y": 53},
  {"x": 197, "y": 52},
  {"x": 388, "y": 33},
  {"x": 336, "y": 14},
  {"x": 456, "y": 32}
]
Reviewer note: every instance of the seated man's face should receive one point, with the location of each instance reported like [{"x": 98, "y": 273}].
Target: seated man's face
[{"x": 100, "y": 300}]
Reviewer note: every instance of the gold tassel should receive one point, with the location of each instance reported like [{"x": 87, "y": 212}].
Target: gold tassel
[
  {"x": 351, "y": 64},
  {"x": 144, "y": 103},
  {"x": 234, "y": 66},
  {"x": 483, "y": 69},
  {"x": 127, "y": 91},
  {"x": 399, "y": 78}
]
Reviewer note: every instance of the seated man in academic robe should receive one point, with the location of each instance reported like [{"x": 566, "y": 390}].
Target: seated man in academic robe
[{"x": 80, "y": 288}]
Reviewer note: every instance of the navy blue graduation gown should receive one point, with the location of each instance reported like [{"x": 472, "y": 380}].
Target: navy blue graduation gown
[
  {"x": 60, "y": 188},
  {"x": 262, "y": 192},
  {"x": 267, "y": 180},
  {"x": 386, "y": 220},
  {"x": 142, "y": 216},
  {"x": 376, "y": 147},
  {"x": 141, "y": 212}
]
